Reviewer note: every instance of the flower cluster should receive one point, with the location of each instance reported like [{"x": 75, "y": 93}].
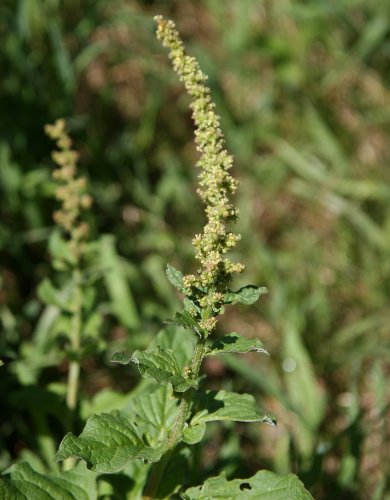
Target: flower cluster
[
  {"x": 71, "y": 191},
  {"x": 216, "y": 184}
]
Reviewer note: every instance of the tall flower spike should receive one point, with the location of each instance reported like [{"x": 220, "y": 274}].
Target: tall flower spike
[{"x": 216, "y": 184}]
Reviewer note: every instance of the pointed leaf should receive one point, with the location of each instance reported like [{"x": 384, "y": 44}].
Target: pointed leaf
[
  {"x": 24, "y": 483},
  {"x": 175, "y": 277},
  {"x": 234, "y": 343},
  {"x": 187, "y": 321},
  {"x": 121, "y": 357},
  {"x": 246, "y": 295},
  {"x": 264, "y": 485},
  {"x": 223, "y": 405},
  {"x": 159, "y": 364},
  {"x": 107, "y": 442}
]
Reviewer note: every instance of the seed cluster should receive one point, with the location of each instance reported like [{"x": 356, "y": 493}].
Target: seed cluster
[
  {"x": 216, "y": 185},
  {"x": 71, "y": 191}
]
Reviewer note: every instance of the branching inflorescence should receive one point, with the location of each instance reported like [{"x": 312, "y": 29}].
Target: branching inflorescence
[{"x": 216, "y": 184}]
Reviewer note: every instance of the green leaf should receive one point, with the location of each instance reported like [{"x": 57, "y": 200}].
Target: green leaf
[
  {"x": 191, "y": 305},
  {"x": 175, "y": 277},
  {"x": 159, "y": 364},
  {"x": 301, "y": 384},
  {"x": 92, "y": 325},
  {"x": 264, "y": 485},
  {"x": 24, "y": 483},
  {"x": 172, "y": 337},
  {"x": 223, "y": 405},
  {"x": 105, "y": 400},
  {"x": 234, "y": 343},
  {"x": 194, "y": 433},
  {"x": 187, "y": 321},
  {"x": 155, "y": 412},
  {"x": 47, "y": 293},
  {"x": 108, "y": 441},
  {"x": 60, "y": 251},
  {"x": 246, "y": 295},
  {"x": 123, "y": 304},
  {"x": 121, "y": 357},
  {"x": 179, "y": 469},
  {"x": 51, "y": 295}
]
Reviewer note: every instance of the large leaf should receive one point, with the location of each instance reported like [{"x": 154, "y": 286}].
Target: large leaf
[
  {"x": 264, "y": 485},
  {"x": 223, "y": 405},
  {"x": 107, "y": 442},
  {"x": 234, "y": 343},
  {"x": 246, "y": 295},
  {"x": 159, "y": 364},
  {"x": 155, "y": 413},
  {"x": 175, "y": 277},
  {"x": 24, "y": 483}
]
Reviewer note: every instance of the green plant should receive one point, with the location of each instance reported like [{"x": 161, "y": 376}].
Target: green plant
[
  {"x": 315, "y": 225},
  {"x": 71, "y": 253},
  {"x": 162, "y": 421}
]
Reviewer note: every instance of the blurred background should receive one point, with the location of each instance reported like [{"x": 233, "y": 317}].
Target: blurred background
[{"x": 302, "y": 90}]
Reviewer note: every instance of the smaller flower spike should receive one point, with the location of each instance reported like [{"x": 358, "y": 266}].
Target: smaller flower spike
[
  {"x": 72, "y": 190},
  {"x": 216, "y": 184}
]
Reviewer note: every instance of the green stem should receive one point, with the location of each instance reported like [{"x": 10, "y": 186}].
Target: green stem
[
  {"x": 178, "y": 427},
  {"x": 74, "y": 366}
]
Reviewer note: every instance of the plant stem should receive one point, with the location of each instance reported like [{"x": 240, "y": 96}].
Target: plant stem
[
  {"x": 185, "y": 403},
  {"x": 74, "y": 366}
]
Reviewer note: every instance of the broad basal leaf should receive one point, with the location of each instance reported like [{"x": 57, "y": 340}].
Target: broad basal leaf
[
  {"x": 107, "y": 442},
  {"x": 175, "y": 277},
  {"x": 223, "y": 405},
  {"x": 234, "y": 343},
  {"x": 264, "y": 485},
  {"x": 245, "y": 295},
  {"x": 159, "y": 364},
  {"x": 24, "y": 483}
]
